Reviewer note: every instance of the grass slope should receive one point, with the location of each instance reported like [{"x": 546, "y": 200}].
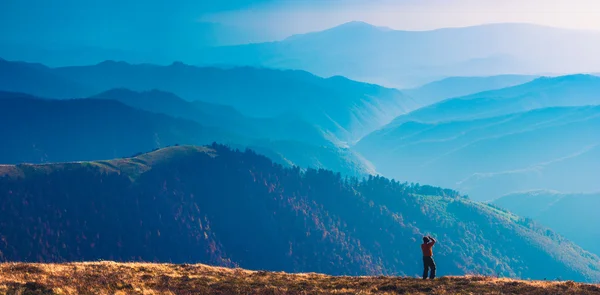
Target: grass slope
[{"x": 145, "y": 278}]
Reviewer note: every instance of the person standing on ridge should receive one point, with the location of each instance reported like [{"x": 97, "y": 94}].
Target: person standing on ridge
[{"x": 428, "y": 263}]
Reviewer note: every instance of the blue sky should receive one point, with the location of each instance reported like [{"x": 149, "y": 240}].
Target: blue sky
[{"x": 161, "y": 26}]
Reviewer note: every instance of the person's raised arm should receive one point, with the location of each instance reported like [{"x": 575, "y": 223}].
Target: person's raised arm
[{"x": 432, "y": 240}]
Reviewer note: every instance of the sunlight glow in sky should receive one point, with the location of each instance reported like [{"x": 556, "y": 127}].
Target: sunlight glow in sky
[{"x": 283, "y": 18}]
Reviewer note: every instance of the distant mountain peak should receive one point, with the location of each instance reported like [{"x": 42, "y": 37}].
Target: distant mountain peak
[
  {"x": 179, "y": 64},
  {"x": 353, "y": 26},
  {"x": 361, "y": 25}
]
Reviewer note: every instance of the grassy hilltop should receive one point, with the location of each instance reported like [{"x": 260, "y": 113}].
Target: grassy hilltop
[{"x": 147, "y": 278}]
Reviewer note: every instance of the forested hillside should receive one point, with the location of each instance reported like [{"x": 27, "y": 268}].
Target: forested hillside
[{"x": 225, "y": 207}]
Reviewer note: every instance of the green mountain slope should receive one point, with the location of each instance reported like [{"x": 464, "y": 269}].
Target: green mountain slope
[
  {"x": 215, "y": 205},
  {"x": 573, "y": 215}
]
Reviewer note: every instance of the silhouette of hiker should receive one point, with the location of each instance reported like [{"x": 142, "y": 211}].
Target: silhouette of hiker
[{"x": 428, "y": 262}]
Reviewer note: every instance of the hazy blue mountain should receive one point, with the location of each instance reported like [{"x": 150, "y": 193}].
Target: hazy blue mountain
[
  {"x": 51, "y": 130},
  {"x": 571, "y": 90},
  {"x": 216, "y": 205},
  {"x": 285, "y": 139},
  {"x": 550, "y": 148},
  {"x": 76, "y": 130},
  {"x": 572, "y": 173},
  {"x": 345, "y": 110},
  {"x": 72, "y": 55},
  {"x": 404, "y": 58},
  {"x": 461, "y": 86},
  {"x": 574, "y": 216},
  {"x": 37, "y": 79},
  {"x": 286, "y": 128}
]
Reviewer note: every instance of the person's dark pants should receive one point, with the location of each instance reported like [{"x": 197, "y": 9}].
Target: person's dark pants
[{"x": 428, "y": 263}]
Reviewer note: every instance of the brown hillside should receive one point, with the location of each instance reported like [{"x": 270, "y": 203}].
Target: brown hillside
[{"x": 147, "y": 278}]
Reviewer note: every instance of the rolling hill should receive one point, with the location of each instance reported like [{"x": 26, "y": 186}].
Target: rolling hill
[
  {"x": 489, "y": 157},
  {"x": 571, "y": 215},
  {"x": 404, "y": 59},
  {"x": 230, "y": 208}
]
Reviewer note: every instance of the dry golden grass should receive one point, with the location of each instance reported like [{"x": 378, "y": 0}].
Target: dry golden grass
[{"x": 147, "y": 278}]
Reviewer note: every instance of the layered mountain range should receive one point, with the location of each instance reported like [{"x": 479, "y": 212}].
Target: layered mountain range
[
  {"x": 407, "y": 58},
  {"x": 538, "y": 135}
]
